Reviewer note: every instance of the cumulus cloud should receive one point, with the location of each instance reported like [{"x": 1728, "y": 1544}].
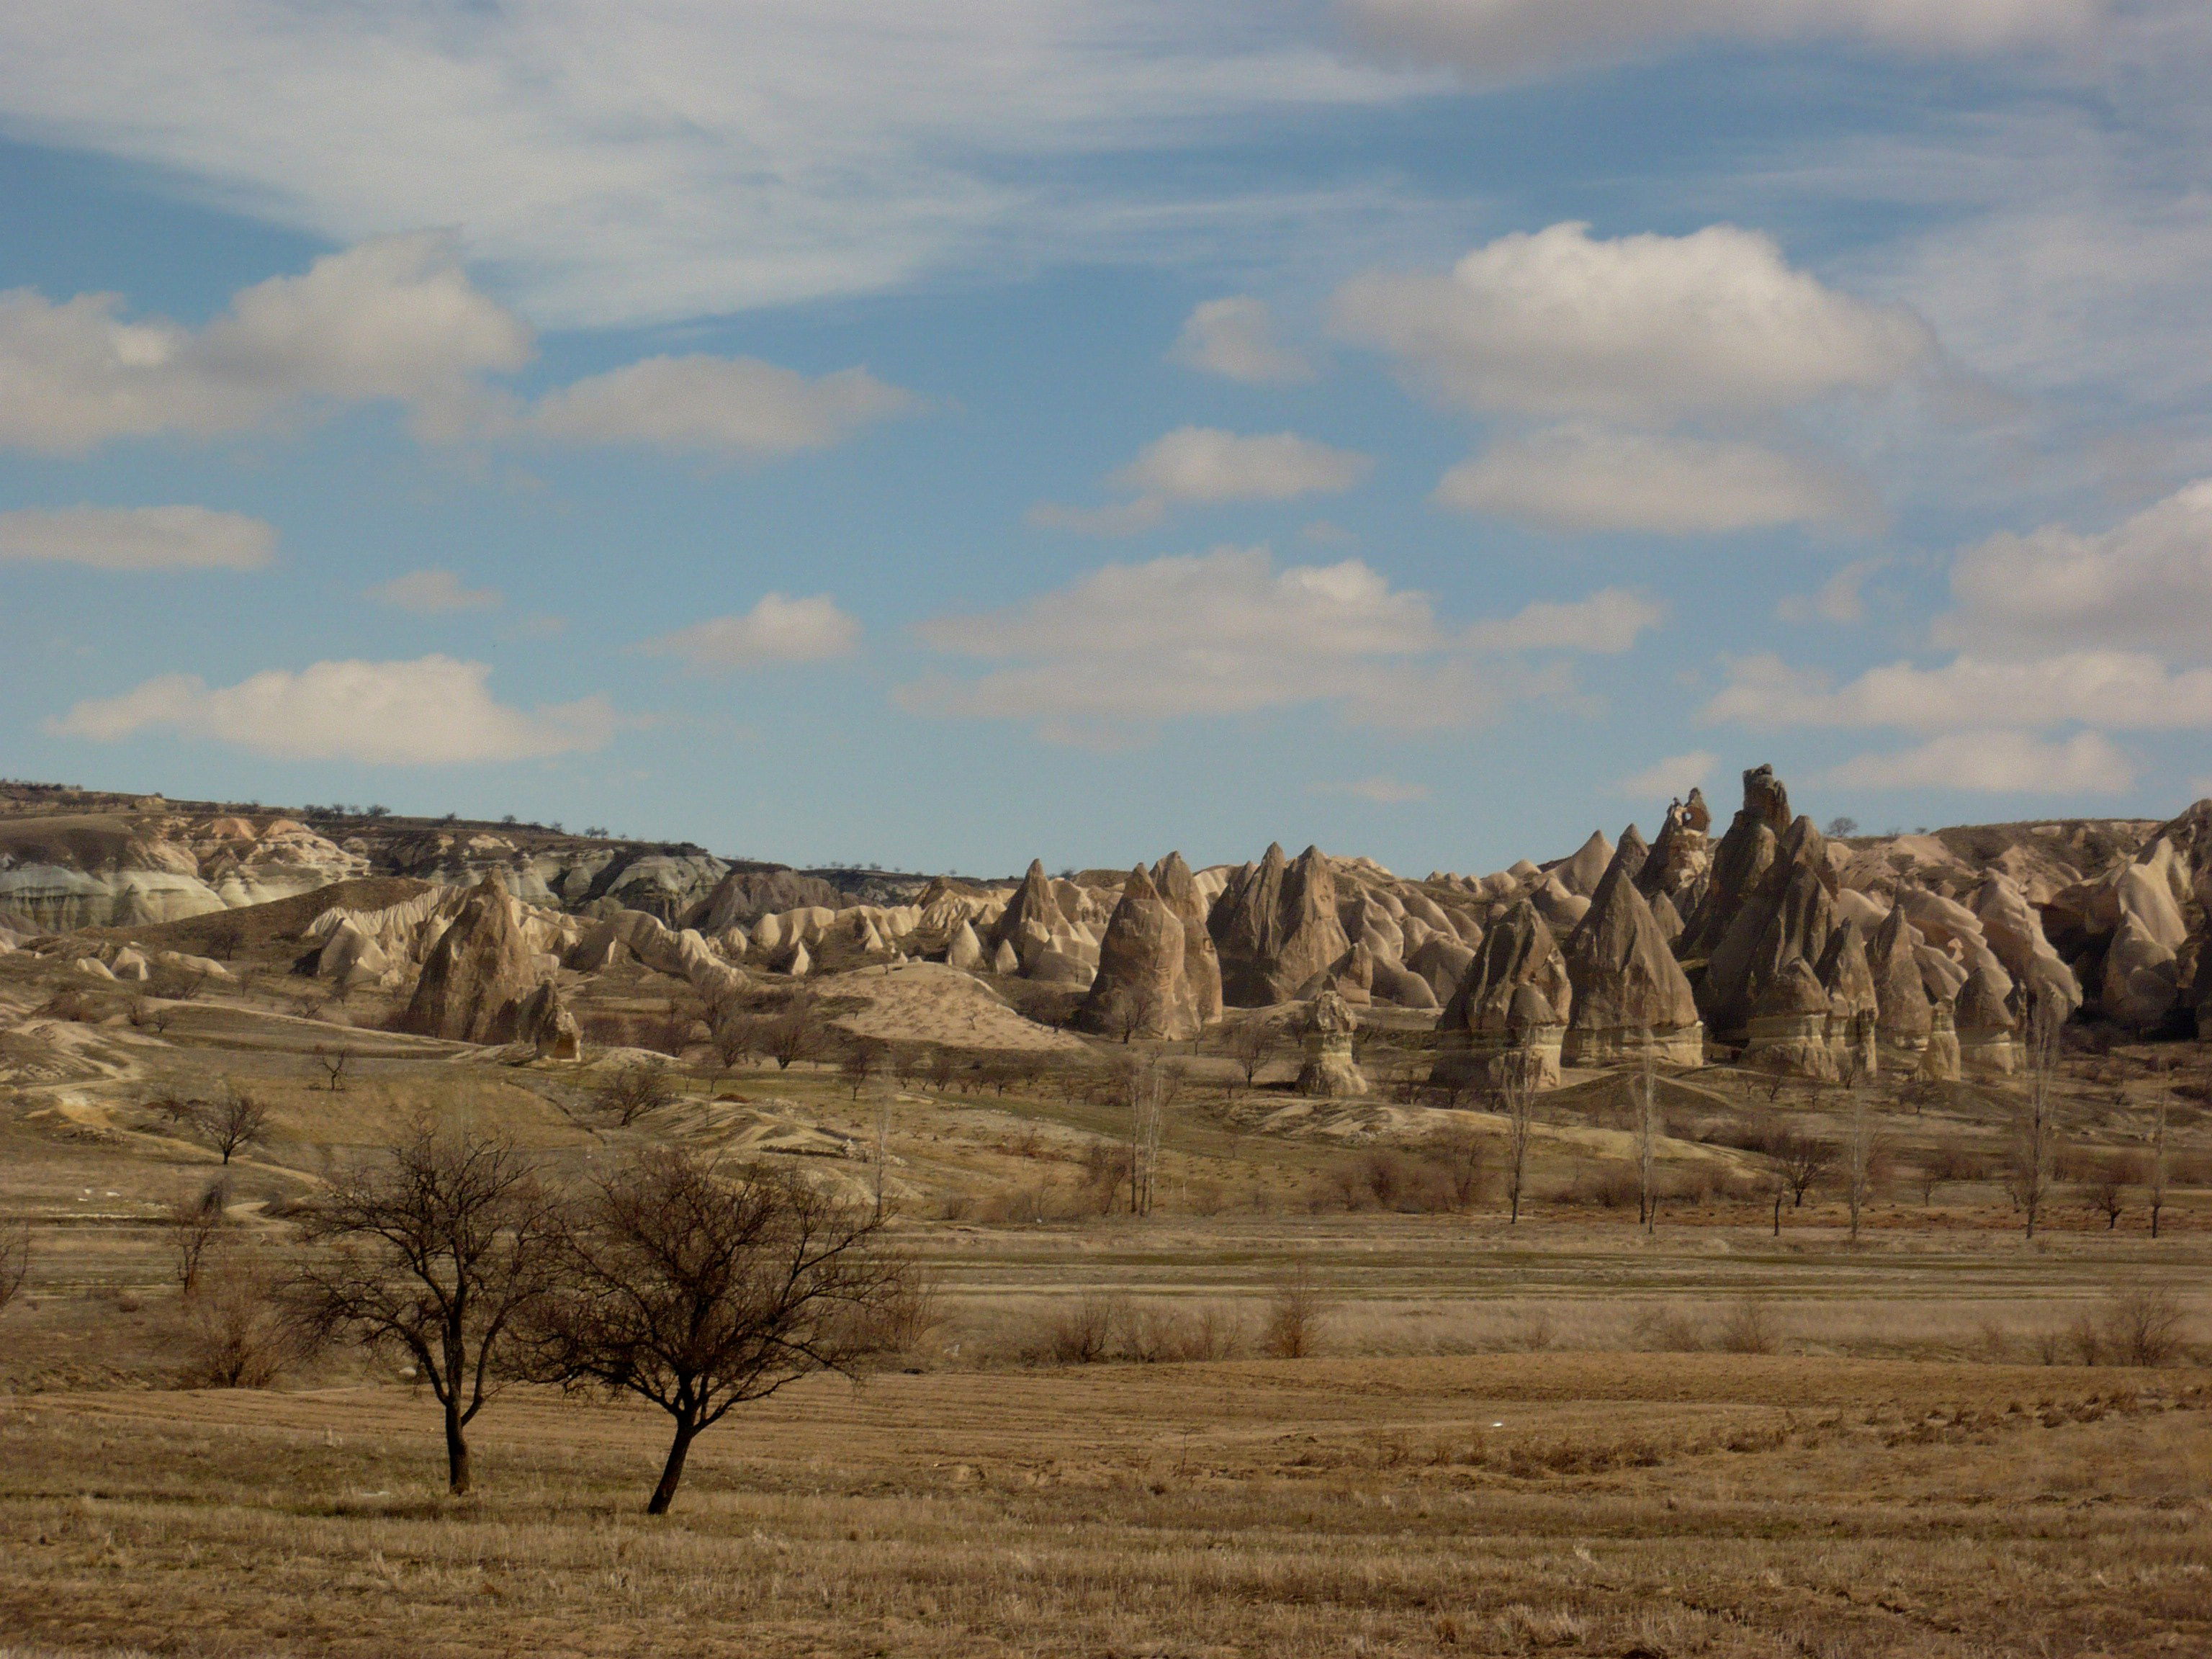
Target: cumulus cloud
[
  {"x": 2116, "y": 690},
  {"x": 1376, "y": 791},
  {"x": 2145, "y": 584},
  {"x": 1643, "y": 329},
  {"x": 137, "y": 538},
  {"x": 1997, "y": 763},
  {"x": 1841, "y": 599},
  {"x": 430, "y": 593},
  {"x": 395, "y": 319},
  {"x": 1501, "y": 39},
  {"x": 1129, "y": 647},
  {"x": 434, "y": 711},
  {"x": 1205, "y": 466},
  {"x": 1606, "y": 622},
  {"x": 1673, "y": 777},
  {"x": 777, "y": 630},
  {"x": 1236, "y": 338},
  {"x": 735, "y": 406},
  {"x": 1583, "y": 477}
]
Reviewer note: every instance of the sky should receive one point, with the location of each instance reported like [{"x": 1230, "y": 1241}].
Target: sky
[{"x": 943, "y": 433}]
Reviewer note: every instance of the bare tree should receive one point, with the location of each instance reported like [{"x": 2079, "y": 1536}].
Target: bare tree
[
  {"x": 629, "y": 1092},
  {"x": 700, "y": 1291},
  {"x": 1802, "y": 1161},
  {"x": 794, "y": 1035},
  {"x": 862, "y": 1060},
  {"x": 194, "y": 1224},
  {"x": 1148, "y": 1087},
  {"x": 2035, "y": 1128},
  {"x": 333, "y": 1062},
  {"x": 2155, "y": 1186},
  {"x": 230, "y": 1122},
  {"x": 15, "y": 1259},
  {"x": 1295, "y": 1315},
  {"x": 1647, "y": 1144},
  {"x": 2106, "y": 1188},
  {"x": 737, "y": 1040},
  {"x": 1863, "y": 1151},
  {"x": 1252, "y": 1043},
  {"x": 1943, "y": 1164},
  {"x": 225, "y": 939},
  {"x": 1459, "y": 1154},
  {"x": 1517, "y": 1098},
  {"x": 440, "y": 1247}
]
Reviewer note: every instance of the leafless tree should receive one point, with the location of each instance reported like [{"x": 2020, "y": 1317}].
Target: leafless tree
[
  {"x": 1252, "y": 1043},
  {"x": 629, "y": 1092},
  {"x": 2035, "y": 1129},
  {"x": 1647, "y": 1144},
  {"x": 230, "y": 1122},
  {"x": 1802, "y": 1161},
  {"x": 1862, "y": 1152},
  {"x": 2106, "y": 1190},
  {"x": 1294, "y": 1315},
  {"x": 15, "y": 1259},
  {"x": 2144, "y": 1324},
  {"x": 194, "y": 1224},
  {"x": 438, "y": 1251},
  {"x": 2154, "y": 1185},
  {"x": 737, "y": 1040},
  {"x": 224, "y": 940},
  {"x": 1148, "y": 1086},
  {"x": 333, "y": 1062},
  {"x": 1516, "y": 1099},
  {"x": 700, "y": 1291},
  {"x": 795, "y": 1034},
  {"x": 240, "y": 1334},
  {"x": 862, "y": 1060},
  {"x": 1944, "y": 1164},
  {"x": 1460, "y": 1155}
]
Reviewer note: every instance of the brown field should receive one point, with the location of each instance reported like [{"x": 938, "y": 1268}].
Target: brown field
[{"x": 1564, "y": 1437}]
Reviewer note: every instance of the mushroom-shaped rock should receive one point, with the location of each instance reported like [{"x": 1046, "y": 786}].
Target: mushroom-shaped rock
[
  {"x": 1630, "y": 996},
  {"x": 1141, "y": 988},
  {"x": 546, "y": 1024},
  {"x": 1788, "y": 1029},
  {"x": 1329, "y": 1070},
  {"x": 1985, "y": 1027},
  {"x": 1854, "y": 1002},
  {"x": 477, "y": 974}
]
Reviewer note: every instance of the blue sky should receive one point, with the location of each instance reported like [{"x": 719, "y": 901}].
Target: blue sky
[{"x": 946, "y": 434}]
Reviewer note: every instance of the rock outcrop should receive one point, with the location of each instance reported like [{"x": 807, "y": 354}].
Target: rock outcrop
[
  {"x": 1903, "y": 1015},
  {"x": 1854, "y": 1003},
  {"x": 744, "y": 897},
  {"x": 1789, "y": 1026},
  {"x": 547, "y": 1025},
  {"x": 1142, "y": 988},
  {"x": 1275, "y": 927},
  {"x": 1939, "y": 1058},
  {"x": 1985, "y": 1027},
  {"x": 1045, "y": 945},
  {"x": 478, "y": 976},
  {"x": 1513, "y": 1005},
  {"x": 1201, "y": 962},
  {"x": 1631, "y": 997},
  {"x": 1330, "y": 1070}
]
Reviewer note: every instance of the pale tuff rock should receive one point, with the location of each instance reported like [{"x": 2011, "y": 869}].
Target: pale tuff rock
[
  {"x": 547, "y": 1025},
  {"x": 797, "y": 963},
  {"x": 1580, "y": 873},
  {"x": 1984, "y": 1027},
  {"x": 1563, "y": 911},
  {"x": 1785, "y": 917},
  {"x": 966, "y": 951},
  {"x": 1004, "y": 962},
  {"x": 1667, "y": 918},
  {"x": 744, "y": 897},
  {"x": 1443, "y": 962},
  {"x": 1275, "y": 927},
  {"x": 1514, "y": 1003},
  {"x": 1904, "y": 1014},
  {"x": 1789, "y": 1026},
  {"x": 1939, "y": 1060},
  {"x": 1391, "y": 983},
  {"x": 1854, "y": 1002},
  {"x": 1944, "y": 975},
  {"x": 2014, "y": 932},
  {"x": 1631, "y": 997},
  {"x": 1330, "y": 1071},
  {"x": 1179, "y": 891},
  {"x": 477, "y": 975},
  {"x": 1142, "y": 984},
  {"x": 1045, "y": 943}
]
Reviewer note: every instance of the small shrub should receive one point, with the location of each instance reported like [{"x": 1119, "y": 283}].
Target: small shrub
[
  {"x": 1294, "y": 1318},
  {"x": 1083, "y": 1334},
  {"x": 2144, "y": 1325},
  {"x": 1748, "y": 1328}
]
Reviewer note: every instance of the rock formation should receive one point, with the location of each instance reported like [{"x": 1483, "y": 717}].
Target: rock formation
[
  {"x": 1275, "y": 927},
  {"x": 1142, "y": 987},
  {"x": 744, "y": 897},
  {"x": 1515, "y": 1002},
  {"x": 546, "y": 1024},
  {"x": 1201, "y": 962},
  {"x": 1631, "y": 997},
  {"x": 1789, "y": 1026},
  {"x": 1939, "y": 1059},
  {"x": 478, "y": 974},
  {"x": 1329, "y": 1070},
  {"x": 1984, "y": 1027},
  {"x": 965, "y": 951},
  {"x": 1580, "y": 873},
  {"x": 1854, "y": 1003},
  {"x": 1903, "y": 1015},
  {"x": 1045, "y": 945}
]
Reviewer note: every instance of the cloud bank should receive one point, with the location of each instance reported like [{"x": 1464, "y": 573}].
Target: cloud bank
[{"x": 137, "y": 538}]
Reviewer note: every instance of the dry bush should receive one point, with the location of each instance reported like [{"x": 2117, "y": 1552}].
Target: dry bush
[
  {"x": 631, "y": 1091},
  {"x": 1157, "y": 1335},
  {"x": 2144, "y": 1325},
  {"x": 1662, "y": 1330},
  {"x": 911, "y": 1311},
  {"x": 1295, "y": 1315},
  {"x": 15, "y": 1259},
  {"x": 1612, "y": 1188},
  {"x": 194, "y": 1224},
  {"x": 1083, "y": 1334},
  {"x": 1748, "y": 1328},
  {"x": 240, "y": 1334}
]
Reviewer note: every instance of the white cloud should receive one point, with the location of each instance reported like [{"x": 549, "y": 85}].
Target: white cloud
[
  {"x": 1606, "y": 622},
  {"x": 777, "y": 630},
  {"x": 433, "y": 711},
  {"x": 735, "y": 406},
  {"x": 1500, "y": 39},
  {"x": 429, "y": 593},
  {"x": 2116, "y": 690},
  {"x": 1236, "y": 338},
  {"x": 1129, "y": 647},
  {"x": 137, "y": 538},
  {"x": 1841, "y": 599},
  {"x": 393, "y": 319},
  {"x": 1673, "y": 777},
  {"x": 1205, "y": 466},
  {"x": 1376, "y": 791},
  {"x": 663, "y": 159},
  {"x": 1998, "y": 763},
  {"x": 1642, "y": 329},
  {"x": 2146, "y": 584},
  {"x": 1581, "y": 478}
]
